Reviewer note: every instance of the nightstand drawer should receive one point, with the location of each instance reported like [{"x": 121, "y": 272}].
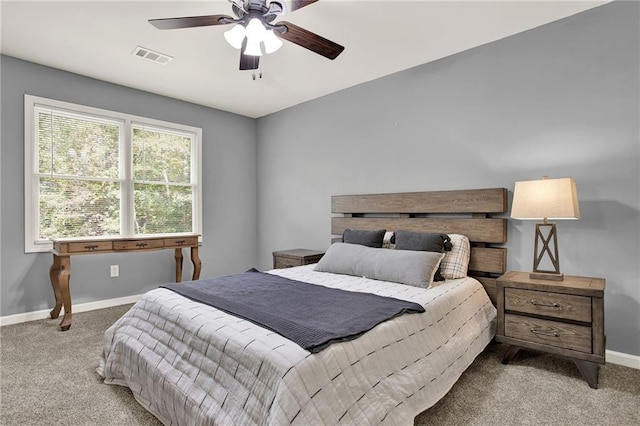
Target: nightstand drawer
[
  {"x": 554, "y": 333},
  {"x": 295, "y": 257},
  {"x": 286, "y": 262},
  {"x": 555, "y": 305}
]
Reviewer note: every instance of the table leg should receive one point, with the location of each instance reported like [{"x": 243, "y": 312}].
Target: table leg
[
  {"x": 64, "y": 275},
  {"x": 589, "y": 372},
  {"x": 508, "y": 356},
  {"x": 197, "y": 264},
  {"x": 178, "y": 257},
  {"x": 53, "y": 276}
]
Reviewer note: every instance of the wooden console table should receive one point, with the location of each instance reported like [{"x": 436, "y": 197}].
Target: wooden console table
[{"x": 64, "y": 248}]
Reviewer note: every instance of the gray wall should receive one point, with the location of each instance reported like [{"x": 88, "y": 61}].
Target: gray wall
[
  {"x": 560, "y": 100},
  {"x": 229, "y": 192}
]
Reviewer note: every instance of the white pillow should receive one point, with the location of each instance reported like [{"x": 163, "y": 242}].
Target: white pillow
[
  {"x": 455, "y": 263},
  {"x": 414, "y": 268}
]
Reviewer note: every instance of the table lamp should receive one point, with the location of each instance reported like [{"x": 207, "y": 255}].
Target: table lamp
[{"x": 543, "y": 200}]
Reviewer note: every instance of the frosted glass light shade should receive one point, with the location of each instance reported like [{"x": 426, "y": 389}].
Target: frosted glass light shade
[
  {"x": 271, "y": 42},
  {"x": 253, "y": 48},
  {"x": 255, "y": 33},
  {"x": 255, "y": 30},
  {"x": 235, "y": 36},
  {"x": 545, "y": 199}
]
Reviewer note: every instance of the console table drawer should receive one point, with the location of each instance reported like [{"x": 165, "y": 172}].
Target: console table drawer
[
  {"x": 180, "y": 241},
  {"x": 138, "y": 244},
  {"x": 554, "y": 333},
  {"x": 88, "y": 246},
  {"x": 555, "y": 305}
]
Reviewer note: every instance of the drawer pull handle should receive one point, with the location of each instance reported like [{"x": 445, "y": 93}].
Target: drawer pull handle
[
  {"x": 544, "y": 333},
  {"x": 544, "y": 304},
  {"x": 180, "y": 242},
  {"x": 91, "y": 247},
  {"x": 141, "y": 245}
]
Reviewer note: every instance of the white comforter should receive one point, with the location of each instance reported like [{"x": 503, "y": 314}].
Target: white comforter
[{"x": 191, "y": 364}]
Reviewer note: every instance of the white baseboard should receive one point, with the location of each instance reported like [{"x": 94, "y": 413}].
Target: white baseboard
[
  {"x": 619, "y": 358},
  {"x": 77, "y": 308}
]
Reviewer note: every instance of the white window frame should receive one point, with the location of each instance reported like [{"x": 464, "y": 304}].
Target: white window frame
[{"x": 31, "y": 180}]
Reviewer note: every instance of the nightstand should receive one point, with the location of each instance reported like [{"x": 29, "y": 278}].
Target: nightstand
[
  {"x": 558, "y": 317},
  {"x": 295, "y": 257}
]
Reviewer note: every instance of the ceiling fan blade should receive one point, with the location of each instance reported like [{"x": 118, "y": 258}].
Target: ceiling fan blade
[
  {"x": 248, "y": 62},
  {"x": 311, "y": 41},
  {"x": 299, "y": 4},
  {"x": 188, "y": 22}
]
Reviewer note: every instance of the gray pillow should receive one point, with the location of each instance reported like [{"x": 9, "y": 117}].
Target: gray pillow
[
  {"x": 365, "y": 238},
  {"x": 423, "y": 241},
  {"x": 414, "y": 268}
]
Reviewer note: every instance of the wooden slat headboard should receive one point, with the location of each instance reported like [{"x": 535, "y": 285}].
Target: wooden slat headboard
[{"x": 467, "y": 212}]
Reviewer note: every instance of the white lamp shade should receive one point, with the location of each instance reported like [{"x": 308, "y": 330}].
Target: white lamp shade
[
  {"x": 271, "y": 42},
  {"x": 545, "y": 199},
  {"x": 235, "y": 36}
]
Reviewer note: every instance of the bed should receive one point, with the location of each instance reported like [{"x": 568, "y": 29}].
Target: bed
[{"x": 191, "y": 363}]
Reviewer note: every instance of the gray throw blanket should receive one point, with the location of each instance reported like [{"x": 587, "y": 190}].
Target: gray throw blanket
[{"x": 313, "y": 316}]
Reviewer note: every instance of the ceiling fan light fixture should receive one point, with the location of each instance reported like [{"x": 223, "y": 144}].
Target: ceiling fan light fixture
[
  {"x": 253, "y": 48},
  {"x": 271, "y": 42},
  {"x": 255, "y": 30},
  {"x": 235, "y": 36},
  {"x": 254, "y": 25}
]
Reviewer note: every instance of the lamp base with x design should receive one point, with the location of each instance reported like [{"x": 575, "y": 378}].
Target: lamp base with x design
[{"x": 542, "y": 247}]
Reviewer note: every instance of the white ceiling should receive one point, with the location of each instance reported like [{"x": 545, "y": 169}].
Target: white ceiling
[{"x": 96, "y": 38}]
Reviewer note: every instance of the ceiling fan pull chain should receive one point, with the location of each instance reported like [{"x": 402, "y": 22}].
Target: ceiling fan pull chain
[{"x": 258, "y": 70}]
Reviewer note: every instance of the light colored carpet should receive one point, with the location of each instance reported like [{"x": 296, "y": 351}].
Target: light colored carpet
[{"x": 48, "y": 377}]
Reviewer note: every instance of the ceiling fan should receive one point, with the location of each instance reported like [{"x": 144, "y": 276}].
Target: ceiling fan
[{"x": 254, "y": 28}]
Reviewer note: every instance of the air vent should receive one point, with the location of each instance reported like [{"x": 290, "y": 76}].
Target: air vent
[{"x": 152, "y": 55}]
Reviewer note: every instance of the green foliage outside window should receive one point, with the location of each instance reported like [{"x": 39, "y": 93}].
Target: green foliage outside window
[
  {"x": 80, "y": 178},
  {"x": 162, "y": 176},
  {"x": 79, "y": 188}
]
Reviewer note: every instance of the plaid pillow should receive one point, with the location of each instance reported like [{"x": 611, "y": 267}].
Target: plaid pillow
[
  {"x": 386, "y": 241},
  {"x": 456, "y": 262}
]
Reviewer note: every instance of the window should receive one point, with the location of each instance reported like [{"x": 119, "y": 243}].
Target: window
[{"x": 92, "y": 172}]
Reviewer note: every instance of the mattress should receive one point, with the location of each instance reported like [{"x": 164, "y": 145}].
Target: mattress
[{"x": 191, "y": 364}]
